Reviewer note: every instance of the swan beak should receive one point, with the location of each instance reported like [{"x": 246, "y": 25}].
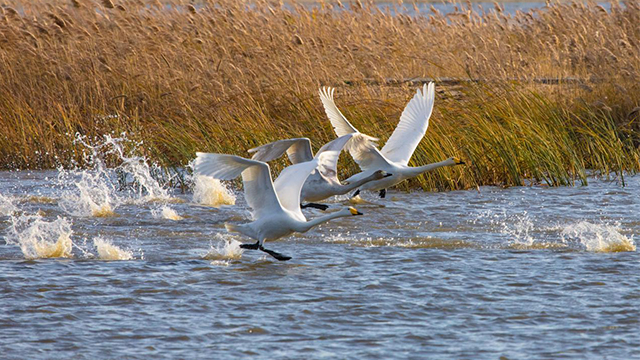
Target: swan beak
[
  {"x": 387, "y": 175},
  {"x": 354, "y": 211},
  {"x": 457, "y": 161}
]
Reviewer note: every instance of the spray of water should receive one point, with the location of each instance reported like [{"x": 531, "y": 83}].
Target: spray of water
[
  {"x": 211, "y": 192},
  {"x": 99, "y": 189},
  {"x": 165, "y": 212},
  {"x": 107, "y": 251},
  {"x": 223, "y": 248},
  {"x": 39, "y": 238},
  {"x": 6, "y": 206},
  {"x": 93, "y": 195},
  {"x": 597, "y": 237}
]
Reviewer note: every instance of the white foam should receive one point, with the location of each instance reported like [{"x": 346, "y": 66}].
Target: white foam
[
  {"x": 598, "y": 237},
  {"x": 6, "y": 206},
  {"x": 165, "y": 212},
  {"x": 224, "y": 249},
  {"x": 93, "y": 194},
  {"x": 39, "y": 238},
  {"x": 211, "y": 192},
  {"x": 107, "y": 251}
]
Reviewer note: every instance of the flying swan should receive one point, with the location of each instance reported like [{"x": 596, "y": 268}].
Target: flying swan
[
  {"x": 275, "y": 205},
  {"x": 394, "y": 156},
  {"x": 323, "y": 181}
]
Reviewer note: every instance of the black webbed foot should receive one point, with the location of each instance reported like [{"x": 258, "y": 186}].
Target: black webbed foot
[
  {"x": 276, "y": 255},
  {"x": 383, "y": 193},
  {"x": 322, "y": 207},
  {"x": 255, "y": 246}
]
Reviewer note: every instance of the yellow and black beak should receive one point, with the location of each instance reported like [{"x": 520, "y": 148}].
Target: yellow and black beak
[
  {"x": 458, "y": 161},
  {"x": 354, "y": 211}
]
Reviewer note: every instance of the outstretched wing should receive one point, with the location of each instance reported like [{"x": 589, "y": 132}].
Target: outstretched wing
[
  {"x": 361, "y": 147},
  {"x": 341, "y": 125},
  {"x": 412, "y": 126},
  {"x": 365, "y": 153},
  {"x": 258, "y": 187},
  {"x": 328, "y": 155},
  {"x": 289, "y": 184},
  {"x": 298, "y": 150}
]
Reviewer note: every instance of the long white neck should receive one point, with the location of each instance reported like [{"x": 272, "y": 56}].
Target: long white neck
[
  {"x": 343, "y": 189},
  {"x": 415, "y": 171},
  {"x": 304, "y": 227}
]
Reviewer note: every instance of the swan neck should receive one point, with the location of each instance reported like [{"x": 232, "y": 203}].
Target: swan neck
[
  {"x": 357, "y": 183},
  {"x": 322, "y": 219},
  {"x": 424, "y": 168}
]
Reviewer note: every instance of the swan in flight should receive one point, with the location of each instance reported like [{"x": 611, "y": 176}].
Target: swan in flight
[
  {"x": 323, "y": 181},
  {"x": 275, "y": 205},
  {"x": 394, "y": 157}
]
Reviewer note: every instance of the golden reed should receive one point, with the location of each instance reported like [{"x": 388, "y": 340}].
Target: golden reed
[{"x": 544, "y": 96}]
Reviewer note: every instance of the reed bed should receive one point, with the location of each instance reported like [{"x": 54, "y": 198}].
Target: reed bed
[{"x": 541, "y": 97}]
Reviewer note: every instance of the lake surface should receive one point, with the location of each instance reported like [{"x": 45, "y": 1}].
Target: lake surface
[{"x": 149, "y": 272}]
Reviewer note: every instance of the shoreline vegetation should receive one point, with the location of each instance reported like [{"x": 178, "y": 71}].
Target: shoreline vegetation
[{"x": 541, "y": 97}]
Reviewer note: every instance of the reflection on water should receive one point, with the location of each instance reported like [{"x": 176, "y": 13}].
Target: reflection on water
[{"x": 465, "y": 274}]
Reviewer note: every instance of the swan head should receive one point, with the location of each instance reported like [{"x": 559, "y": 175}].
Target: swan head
[
  {"x": 380, "y": 174},
  {"x": 353, "y": 211},
  {"x": 456, "y": 160}
]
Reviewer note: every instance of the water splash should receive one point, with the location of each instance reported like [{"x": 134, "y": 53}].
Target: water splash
[
  {"x": 94, "y": 194},
  {"x": 597, "y": 237},
  {"x": 107, "y": 251},
  {"x": 99, "y": 190},
  {"x": 39, "y": 238},
  {"x": 211, "y": 192},
  {"x": 224, "y": 249},
  {"x": 6, "y": 206},
  {"x": 519, "y": 228},
  {"x": 165, "y": 212}
]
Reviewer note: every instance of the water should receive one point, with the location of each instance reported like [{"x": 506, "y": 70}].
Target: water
[{"x": 93, "y": 270}]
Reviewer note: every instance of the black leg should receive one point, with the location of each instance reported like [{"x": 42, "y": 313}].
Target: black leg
[
  {"x": 276, "y": 255},
  {"x": 255, "y": 246},
  {"x": 356, "y": 193},
  {"x": 322, "y": 207},
  {"x": 383, "y": 193}
]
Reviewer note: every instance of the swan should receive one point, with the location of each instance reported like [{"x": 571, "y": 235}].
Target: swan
[
  {"x": 275, "y": 205},
  {"x": 323, "y": 181},
  {"x": 394, "y": 157}
]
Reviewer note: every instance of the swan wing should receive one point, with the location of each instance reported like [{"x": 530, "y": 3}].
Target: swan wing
[
  {"x": 258, "y": 188},
  {"x": 328, "y": 155},
  {"x": 366, "y": 154},
  {"x": 412, "y": 126},
  {"x": 361, "y": 147},
  {"x": 289, "y": 184},
  {"x": 298, "y": 150},
  {"x": 341, "y": 125}
]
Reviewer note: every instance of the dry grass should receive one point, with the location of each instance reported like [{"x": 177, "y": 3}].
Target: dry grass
[{"x": 225, "y": 78}]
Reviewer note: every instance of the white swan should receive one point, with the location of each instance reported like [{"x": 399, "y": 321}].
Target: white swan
[
  {"x": 323, "y": 181},
  {"x": 394, "y": 156},
  {"x": 276, "y": 205}
]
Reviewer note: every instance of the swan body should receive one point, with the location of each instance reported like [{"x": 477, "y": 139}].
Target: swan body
[
  {"x": 394, "y": 157},
  {"x": 275, "y": 205},
  {"x": 323, "y": 181}
]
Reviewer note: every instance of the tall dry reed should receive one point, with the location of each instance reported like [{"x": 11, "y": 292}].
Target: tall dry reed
[{"x": 545, "y": 96}]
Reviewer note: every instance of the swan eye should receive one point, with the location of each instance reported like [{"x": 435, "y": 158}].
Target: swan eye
[{"x": 457, "y": 161}]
